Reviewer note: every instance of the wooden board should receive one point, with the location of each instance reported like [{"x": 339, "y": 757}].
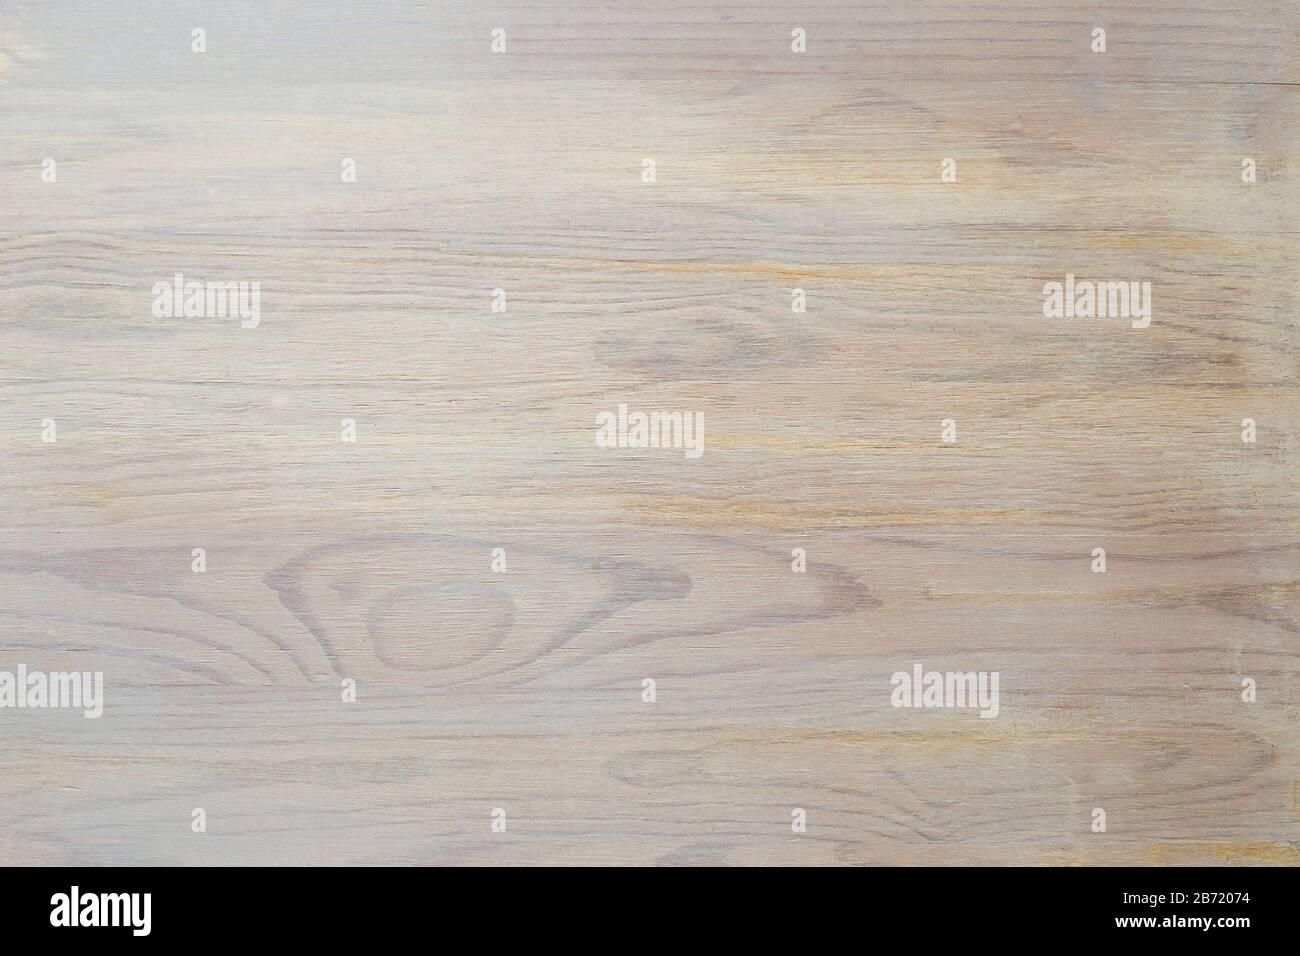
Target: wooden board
[{"x": 522, "y": 690}]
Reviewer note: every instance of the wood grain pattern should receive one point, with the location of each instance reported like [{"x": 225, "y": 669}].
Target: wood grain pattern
[{"x": 522, "y": 690}]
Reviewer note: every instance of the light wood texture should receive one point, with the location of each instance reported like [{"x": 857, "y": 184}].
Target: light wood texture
[{"x": 522, "y": 690}]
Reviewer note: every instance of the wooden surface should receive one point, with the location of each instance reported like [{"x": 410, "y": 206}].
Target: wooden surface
[{"x": 475, "y": 430}]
